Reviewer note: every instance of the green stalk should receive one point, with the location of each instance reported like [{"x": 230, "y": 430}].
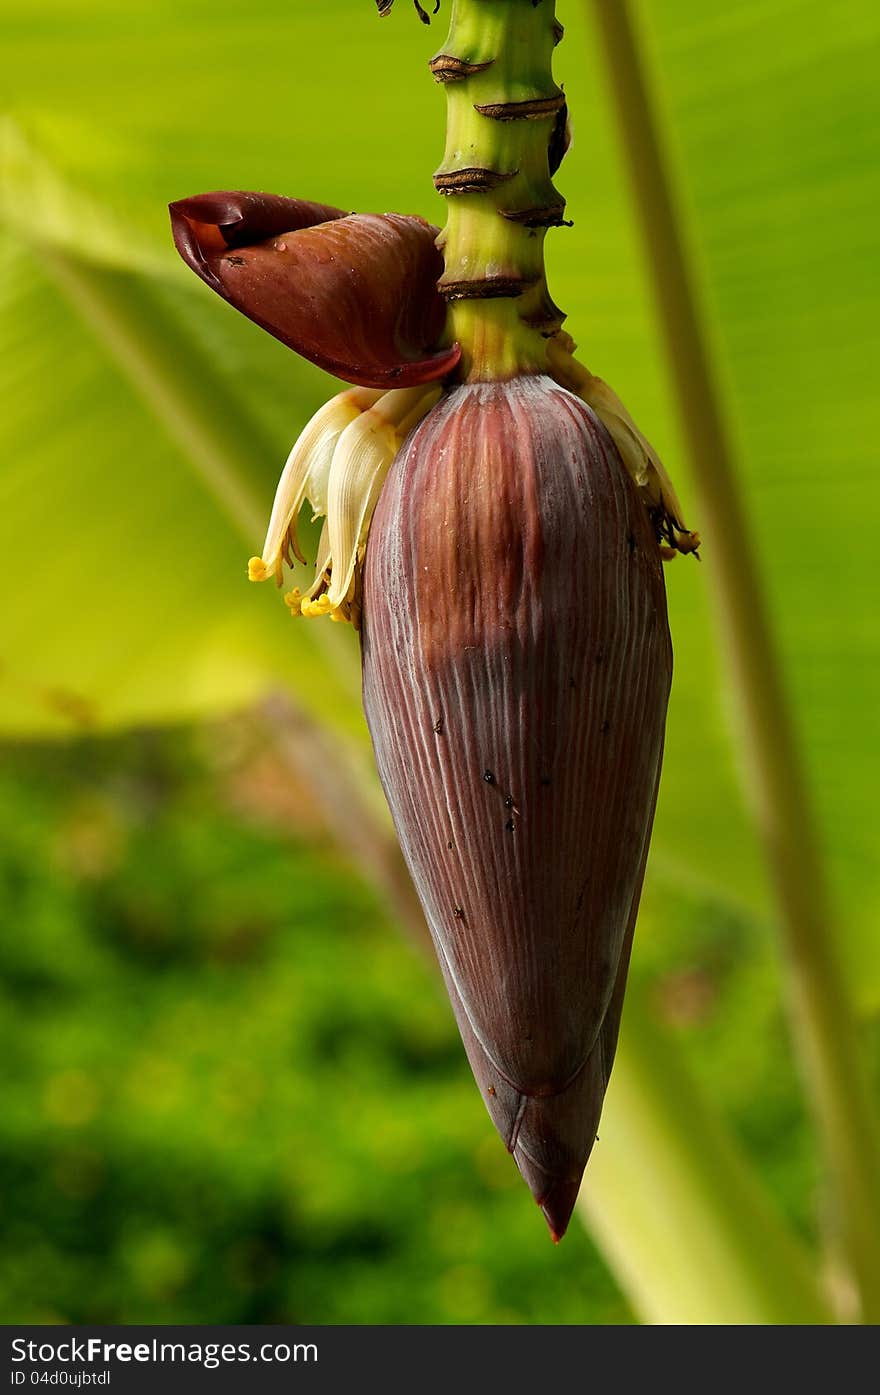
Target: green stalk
[
  {"x": 503, "y": 116},
  {"x": 832, "y": 1066}
]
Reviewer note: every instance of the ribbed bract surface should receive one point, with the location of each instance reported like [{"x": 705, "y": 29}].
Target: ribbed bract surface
[{"x": 517, "y": 665}]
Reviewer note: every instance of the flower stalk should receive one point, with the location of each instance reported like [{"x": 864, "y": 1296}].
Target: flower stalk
[
  {"x": 506, "y": 135},
  {"x": 505, "y": 129}
]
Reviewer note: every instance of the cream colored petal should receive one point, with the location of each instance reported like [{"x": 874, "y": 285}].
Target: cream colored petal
[
  {"x": 361, "y": 461},
  {"x": 638, "y": 455},
  {"x": 322, "y": 566},
  {"x": 306, "y": 473}
]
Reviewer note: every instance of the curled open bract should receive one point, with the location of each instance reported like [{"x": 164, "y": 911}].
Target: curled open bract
[{"x": 354, "y": 293}]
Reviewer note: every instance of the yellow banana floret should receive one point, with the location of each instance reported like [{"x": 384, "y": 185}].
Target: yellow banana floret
[
  {"x": 338, "y": 464},
  {"x": 638, "y": 455}
]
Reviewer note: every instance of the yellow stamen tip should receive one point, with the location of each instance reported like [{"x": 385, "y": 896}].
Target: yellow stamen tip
[
  {"x": 257, "y": 569},
  {"x": 315, "y": 609}
]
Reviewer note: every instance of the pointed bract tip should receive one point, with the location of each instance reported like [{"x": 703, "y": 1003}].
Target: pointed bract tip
[
  {"x": 205, "y": 226},
  {"x": 555, "y": 1195},
  {"x": 558, "y": 1205}
]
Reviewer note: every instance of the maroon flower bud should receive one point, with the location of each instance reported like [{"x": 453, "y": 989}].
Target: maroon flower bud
[
  {"x": 354, "y": 293},
  {"x": 517, "y": 665}
]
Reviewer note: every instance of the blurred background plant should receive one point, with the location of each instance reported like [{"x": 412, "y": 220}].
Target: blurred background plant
[{"x": 232, "y": 1090}]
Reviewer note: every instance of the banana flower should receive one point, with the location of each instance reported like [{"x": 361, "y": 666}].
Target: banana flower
[{"x": 495, "y": 526}]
